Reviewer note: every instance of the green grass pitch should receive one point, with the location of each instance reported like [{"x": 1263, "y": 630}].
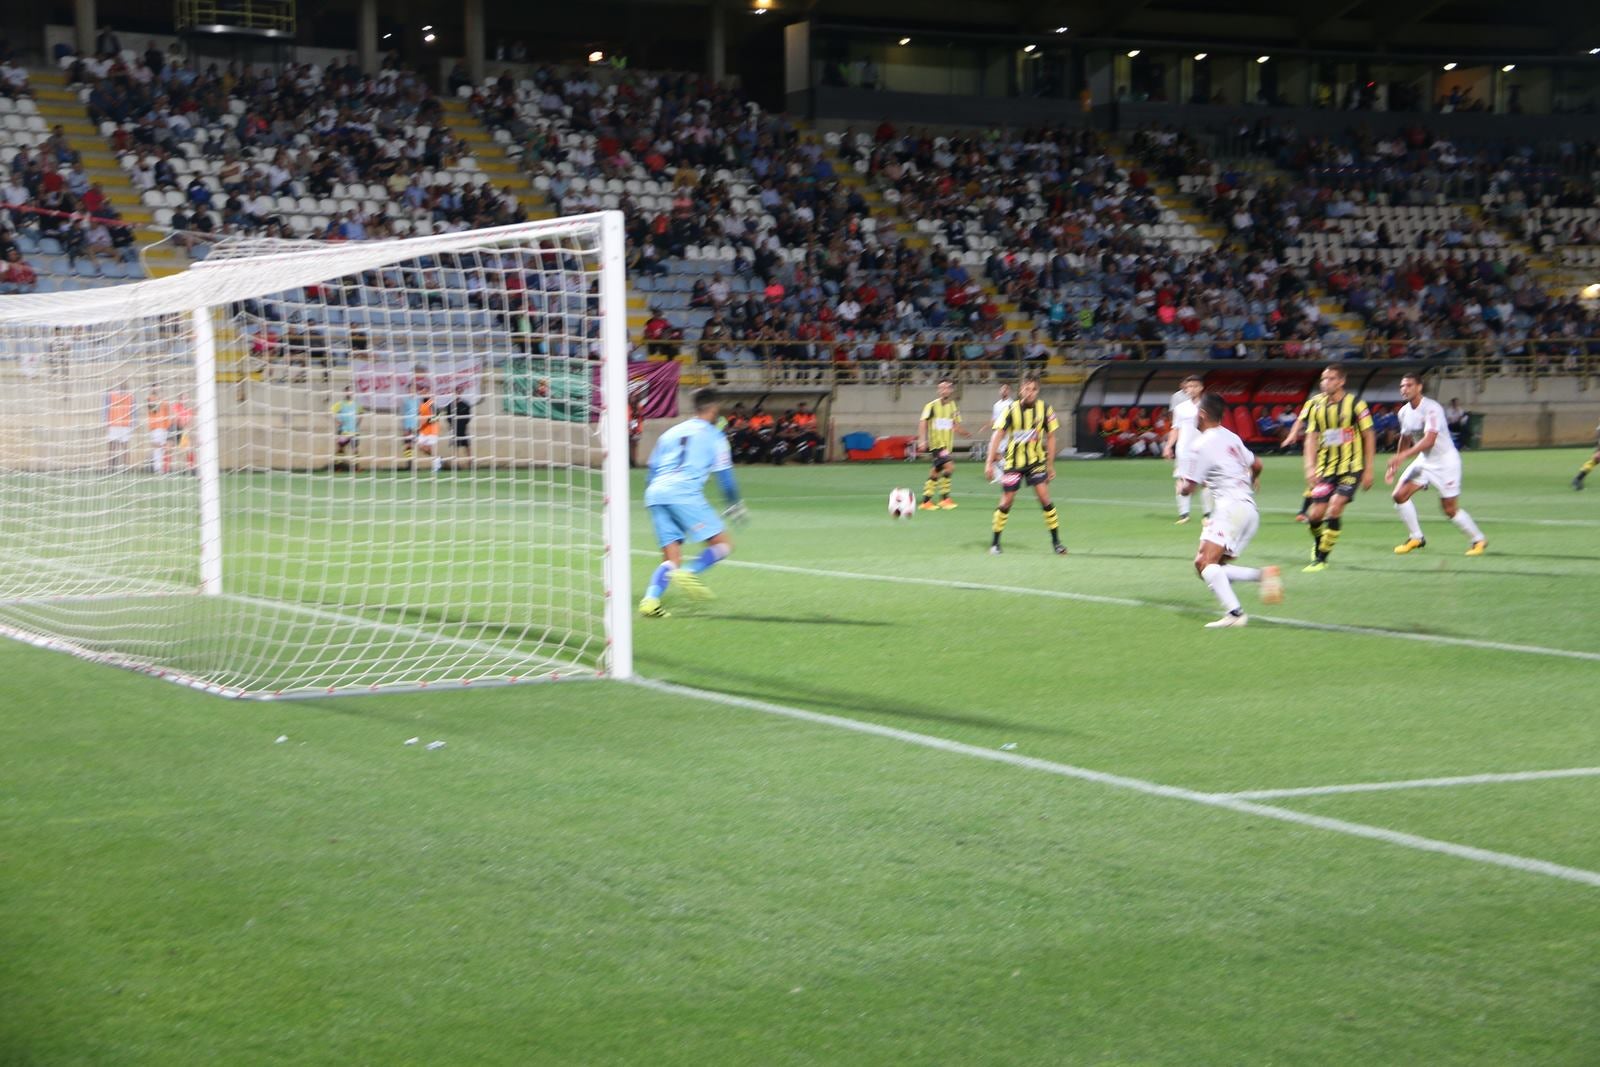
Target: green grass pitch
[{"x": 599, "y": 873}]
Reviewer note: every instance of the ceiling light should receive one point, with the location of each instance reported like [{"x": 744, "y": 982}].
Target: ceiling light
[
  {"x": 759, "y": 11},
  {"x": 428, "y": 38},
  {"x": 597, "y": 56},
  {"x": 1133, "y": 53},
  {"x": 425, "y": 29},
  {"x": 1029, "y": 47},
  {"x": 1262, "y": 59},
  {"x": 1594, "y": 51},
  {"x": 1200, "y": 57},
  {"x": 1508, "y": 68},
  {"x": 1449, "y": 66},
  {"x": 387, "y": 36},
  {"x": 1061, "y": 29},
  {"x": 1590, "y": 292},
  {"x": 905, "y": 41}
]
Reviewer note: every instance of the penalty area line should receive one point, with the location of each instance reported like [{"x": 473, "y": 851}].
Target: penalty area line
[
  {"x": 1225, "y": 802},
  {"x": 1134, "y": 602},
  {"x": 1415, "y": 783}
]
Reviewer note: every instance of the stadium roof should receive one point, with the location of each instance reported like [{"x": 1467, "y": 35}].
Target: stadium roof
[{"x": 1552, "y": 27}]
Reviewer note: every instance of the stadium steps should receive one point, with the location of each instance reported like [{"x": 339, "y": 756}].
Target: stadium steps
[
  {"x": 507, "y": 173},
  {"x": 60, "y": 105},
  {"x": 493, "y": 162},
  {"x": 888, "y": 213},
  {"x": 1183, "y": 204},
  {"x": 1190, "y": 211}
]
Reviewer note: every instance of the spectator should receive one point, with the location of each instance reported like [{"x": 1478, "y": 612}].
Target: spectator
[{"x": 18, "y": 276}]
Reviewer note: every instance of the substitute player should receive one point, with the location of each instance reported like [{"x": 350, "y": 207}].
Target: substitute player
[
  {"x": 119, "y": 424},
  {"x": 1219, "y": 460},
  {"x": 941, "y": 421},
  {"x": 675, "y": 493},
  {"x": 1028, "y": 432},
  {"x": 1425, "y": 440},
  {"x": 183, "y": 424},
  {"x": 158, "y": 420},
  {"x": 346, "y": 430},
  {"x": 428, "y": 430},
  {"x": 1181, "y": 438},
  {"x": 1339, "y": 449}
]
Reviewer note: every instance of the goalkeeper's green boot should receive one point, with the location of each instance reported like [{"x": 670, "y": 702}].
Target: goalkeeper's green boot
[
  {"x": 650, "y": 607},
  {"x": 689, "y": 585}
]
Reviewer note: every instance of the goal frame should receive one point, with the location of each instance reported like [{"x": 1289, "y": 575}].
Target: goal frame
[{"x": 193, "y": 288}]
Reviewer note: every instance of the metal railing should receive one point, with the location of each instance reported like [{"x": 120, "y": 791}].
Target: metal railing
[
  {"x": 271, "y": 17},
  {"x": 794, "y": 363}
]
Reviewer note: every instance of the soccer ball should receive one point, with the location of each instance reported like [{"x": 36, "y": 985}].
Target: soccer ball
[{"x": 902, "y": 505}]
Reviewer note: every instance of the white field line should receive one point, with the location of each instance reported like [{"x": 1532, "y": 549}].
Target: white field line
[
  {"x": 1415, "y": 783},
  {"x": 1161, "y": 502},
  {"x": 1133, "y": 602},
  {"x": 416, "y": 633},
  {"x": 1139, "y": 785}
]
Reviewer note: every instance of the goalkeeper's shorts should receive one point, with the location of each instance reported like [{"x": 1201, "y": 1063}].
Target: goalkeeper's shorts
[{"x": 690, "y": 521}]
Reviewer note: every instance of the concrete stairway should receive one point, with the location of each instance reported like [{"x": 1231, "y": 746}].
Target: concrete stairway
[
  {"x": 507, "y": 173},
  {"x": 60, "y": 106}
]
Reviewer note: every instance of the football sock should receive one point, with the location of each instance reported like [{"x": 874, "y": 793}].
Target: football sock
[
  {"x": 1588, "y": 465},
  {"x": 1465, "y": 524},
  {"x": 713, "y": 555},
  {"x": 999, "y": 523},
  {"x": 1315, "y": 526},
  {"x": 658, "y": 580},
  {"x": 1408, "y": 515},
  {"x": 944, "y": 486},
  {"x": 1241, "y": 574},
  {"x": 437, "y": 463},
  {"x": 1329, "y": 538},
  {"x": 1216, "y": 576},
  {"x": 1052, "y": 522},
  {"x": 1183, "y": 506},
  {"x": 1305, "y": 502},
  {"x": 927, "y": 490},
  {"x": 155, "y": 461}
]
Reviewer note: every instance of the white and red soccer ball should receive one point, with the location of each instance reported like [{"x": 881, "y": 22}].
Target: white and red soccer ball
[{"x": 902, "y": 504}]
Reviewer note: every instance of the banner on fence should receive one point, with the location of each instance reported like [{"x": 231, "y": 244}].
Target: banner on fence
[
  {"x": 551, "y": 388},
  {"x": 380, "y": 383}
]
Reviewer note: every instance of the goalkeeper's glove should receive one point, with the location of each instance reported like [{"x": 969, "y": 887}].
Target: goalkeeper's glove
[{"x": 737, "y": 513}]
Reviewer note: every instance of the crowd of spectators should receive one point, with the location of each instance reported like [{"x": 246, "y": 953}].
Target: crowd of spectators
[
  {"x": 1449, "y": 277},
  {"x": 277, "y": 151},
  {"x": 1044, "y": 225}
]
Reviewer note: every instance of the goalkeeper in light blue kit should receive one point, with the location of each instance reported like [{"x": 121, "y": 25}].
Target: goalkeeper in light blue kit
[{"x": 682, "y": 460}]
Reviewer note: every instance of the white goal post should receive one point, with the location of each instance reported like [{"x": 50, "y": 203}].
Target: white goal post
[{"x": 304, "y": 469}]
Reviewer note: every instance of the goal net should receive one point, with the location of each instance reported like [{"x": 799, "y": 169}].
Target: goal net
[{"x": 301, "y": 470}]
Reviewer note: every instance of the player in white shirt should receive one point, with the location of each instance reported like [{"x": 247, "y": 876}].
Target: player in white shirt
[
  {"x": 1425, "y": 440},
  {"x": 1182, "y": 438},
  {"x": 1220, "y": 461},
  {"x": 999, "y": 413}
]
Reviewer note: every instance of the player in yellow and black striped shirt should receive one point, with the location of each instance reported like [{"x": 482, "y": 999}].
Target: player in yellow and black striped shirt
[
  {"x": 1028, "y": 433},
  {"x": 1339, "y": 451},
  {"x": 941, "y": 421}
]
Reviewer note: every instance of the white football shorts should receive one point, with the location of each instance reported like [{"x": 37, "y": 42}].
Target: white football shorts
[
  {"x": 1233, "y": 524},
  {"x": 1445, "y": 476}
]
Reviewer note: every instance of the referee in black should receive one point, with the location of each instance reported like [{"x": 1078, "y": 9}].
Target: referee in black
[{"x": 459, "y": 411}]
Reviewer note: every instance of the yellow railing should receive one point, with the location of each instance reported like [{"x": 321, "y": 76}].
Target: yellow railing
[
  {"x": 781, "y": 363},
  {"x": 262, "y": 16}
]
